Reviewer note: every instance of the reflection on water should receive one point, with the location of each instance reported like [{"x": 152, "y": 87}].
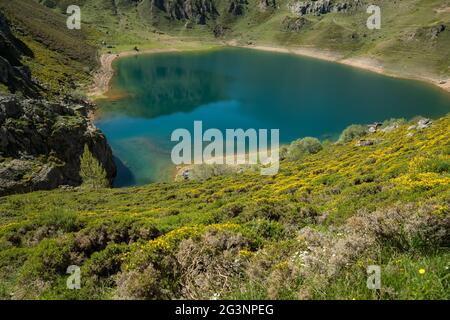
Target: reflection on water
[{"x": 157, "y": 87}]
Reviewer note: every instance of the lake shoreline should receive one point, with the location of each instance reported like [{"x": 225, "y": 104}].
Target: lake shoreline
[{"x": 102, "y": 78}]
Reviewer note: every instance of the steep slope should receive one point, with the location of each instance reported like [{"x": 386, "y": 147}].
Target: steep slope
[{"x": 308, "y": 232}]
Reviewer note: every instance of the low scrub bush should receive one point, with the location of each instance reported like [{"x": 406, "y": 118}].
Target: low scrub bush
[
  {"x": 302, "y": 147},
  {"x": 352, "y": 132}
]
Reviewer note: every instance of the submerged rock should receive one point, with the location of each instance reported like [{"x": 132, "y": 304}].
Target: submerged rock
[{"x": 41, "y": 144}]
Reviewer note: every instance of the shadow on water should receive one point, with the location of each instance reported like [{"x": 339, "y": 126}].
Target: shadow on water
[{"x": 125, "y": 177}]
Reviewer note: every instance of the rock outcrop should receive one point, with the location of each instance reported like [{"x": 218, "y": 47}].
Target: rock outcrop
[
  {"x": 265, "y": 5},
  {"x": 41, "y": 143},
  {"x": 294, "y": 24},
  {"x": 322, "y": 6},
  {"x": 198, "y": 11},
  {"x": 437, "y": 30},
  {"x": 237, "y": 7}
]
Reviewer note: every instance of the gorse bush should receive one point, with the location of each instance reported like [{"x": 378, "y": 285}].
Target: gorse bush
[
  {"x": 302, "y": 147},
  {"x": 352, "y": 132},
  {"x": 92, "y": 172}
]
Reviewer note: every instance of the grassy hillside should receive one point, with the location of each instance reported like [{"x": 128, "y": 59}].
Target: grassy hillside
[{"x": 308, "y": 232}]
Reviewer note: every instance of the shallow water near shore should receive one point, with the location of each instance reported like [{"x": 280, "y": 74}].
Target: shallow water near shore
[{"x": 243, "y": 88}]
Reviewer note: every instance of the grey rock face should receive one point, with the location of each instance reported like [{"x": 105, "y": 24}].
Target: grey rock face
[
  {"x": 237, "y": 7},
  {"x": 198, "y": 11},
  {"x": 294, "y": 24},
  {"x": 321, "y": 6},
  {"x": 41, "y": 144}
]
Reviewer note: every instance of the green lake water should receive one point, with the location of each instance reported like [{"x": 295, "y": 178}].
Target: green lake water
[{"x": 242, "y": 88}]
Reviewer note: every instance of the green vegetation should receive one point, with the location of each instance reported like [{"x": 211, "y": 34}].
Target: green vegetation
[
  {"x": 92, "y": 172},
  {"x": 308, "y": 232},
  {"x": 352, "y": 132},
  {"x": 301, "y": 147}
]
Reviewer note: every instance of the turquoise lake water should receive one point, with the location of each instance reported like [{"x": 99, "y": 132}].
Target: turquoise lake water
[{"x": 242, "y": 88}]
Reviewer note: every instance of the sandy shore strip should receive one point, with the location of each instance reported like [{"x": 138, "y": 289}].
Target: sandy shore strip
[{"x": 357, "y": 62}]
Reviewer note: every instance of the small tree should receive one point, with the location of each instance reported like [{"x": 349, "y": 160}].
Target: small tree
[{"x": 92, "y": 172}]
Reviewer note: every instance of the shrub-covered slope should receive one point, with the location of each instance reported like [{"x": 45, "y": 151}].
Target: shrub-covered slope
[{"x": 308, "y": 232}]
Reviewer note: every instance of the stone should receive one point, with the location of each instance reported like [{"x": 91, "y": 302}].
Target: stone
[
  {"x": 265, "y": 5},
  {"x": 364, "y": 143},
  {"x": 390, "y": 128},
  {"x": 294, "y": 24},
  {"x": 372, "y": 128},
  {"x": 237, "y": 7},
  {"x": 424, "y": 123},
  {"x": 436, "y": 30}
]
